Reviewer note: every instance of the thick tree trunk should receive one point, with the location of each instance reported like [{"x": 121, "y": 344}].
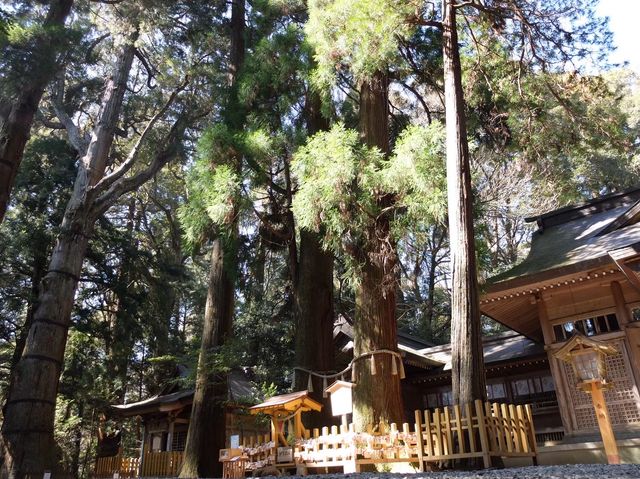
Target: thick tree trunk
[
  {"x": 207, "y": 423},
  {"x": 207, "y": 433},
  {"x": 376, "y": 398},
  {"x": 313, "y": 290},
  {"x": 314, "y": 322},
  {"x": 15, "y": 127},
  {"x": 27, "y": 431},
  {"x": 466, "y": 342}
]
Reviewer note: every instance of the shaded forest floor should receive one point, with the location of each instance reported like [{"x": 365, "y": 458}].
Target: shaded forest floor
[{"x": 569, "y": 471}]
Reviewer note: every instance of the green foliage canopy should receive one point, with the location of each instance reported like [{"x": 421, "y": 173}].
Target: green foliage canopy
[
  {"x": 362, "y": 35},
  {"x": 340, "y": 181}
]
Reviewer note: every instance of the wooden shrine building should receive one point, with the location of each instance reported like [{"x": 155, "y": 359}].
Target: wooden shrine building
[
  {"x": 165, "y": 417},
  {"x": 582, "y": 275}
]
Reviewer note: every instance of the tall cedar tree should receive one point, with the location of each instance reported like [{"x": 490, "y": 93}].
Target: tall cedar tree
[
  {"x": 17, "y": 116},
  {"x": 312, "y": 277},
  {"x": 27, "y": 431},
  {"x": 467, "y": 368},
  {"x": 207, "y": 431},
  {"x": 375, "y": 326}
]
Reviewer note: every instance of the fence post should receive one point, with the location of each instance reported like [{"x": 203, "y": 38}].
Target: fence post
[
  {"x": 531, "y": 433},
  {"x": 420, "y": 445},
  {"x": 482, "y": 429}
]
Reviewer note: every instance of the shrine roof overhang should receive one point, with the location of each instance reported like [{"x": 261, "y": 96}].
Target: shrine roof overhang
[
  {"x": 239, "y": 390},
  {"x": 287, "y": 403},
  {"x": 572, "y": 245}
]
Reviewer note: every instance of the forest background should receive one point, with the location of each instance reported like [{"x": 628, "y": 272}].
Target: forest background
[{"x": 232, "y": 129}]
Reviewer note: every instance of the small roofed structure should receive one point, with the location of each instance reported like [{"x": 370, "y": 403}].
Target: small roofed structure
[{"x": 284, "y": 410}]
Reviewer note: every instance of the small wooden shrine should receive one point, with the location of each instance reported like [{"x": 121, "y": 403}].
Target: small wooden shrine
[{"x": 285, "y": 412}]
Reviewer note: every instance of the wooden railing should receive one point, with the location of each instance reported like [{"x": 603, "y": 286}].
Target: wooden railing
[
  {"x": 126, "y": 467},
  {"x": 161, "y": 464},
  {"x": 478, "y": 430},
  {"x": 481, "y": 430},
  {"x": 154, "y": 464}
]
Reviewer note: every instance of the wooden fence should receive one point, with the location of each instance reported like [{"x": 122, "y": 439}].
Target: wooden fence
[
  {"x": 126, "y": 467},
  {"x": 154, "y": 464},
  {"x": 478, "y": 430},
  {"x": 482, "y": 430}
]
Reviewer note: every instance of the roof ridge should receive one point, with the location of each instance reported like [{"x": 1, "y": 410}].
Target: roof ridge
[{"x": 575, "y": 211}]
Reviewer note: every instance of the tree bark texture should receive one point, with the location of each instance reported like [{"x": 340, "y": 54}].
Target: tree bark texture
[
  {"x": 27, "y": 431},
  {"x": 16, "y": 126},
  {"x": 207, "y": 428},
  {"x": 466, "y": 336},
  {"x": 314, "y": 325},
  {"x": 313, "y": 290},
  {"x": 207, "y": 423},
  {"x": 377, "y": 397}
]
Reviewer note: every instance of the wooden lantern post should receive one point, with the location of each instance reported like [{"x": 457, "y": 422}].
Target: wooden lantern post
[{"x": 586, "y": 356}]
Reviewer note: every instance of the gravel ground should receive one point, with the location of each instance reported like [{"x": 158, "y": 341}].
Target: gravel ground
[{"x": 574, "y": 471}]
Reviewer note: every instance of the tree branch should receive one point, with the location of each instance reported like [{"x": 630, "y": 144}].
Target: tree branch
[
  {"x": 125, "y": 166},
  {"x": 126, "y": 184},
  {"x": 76, "y": 138}
]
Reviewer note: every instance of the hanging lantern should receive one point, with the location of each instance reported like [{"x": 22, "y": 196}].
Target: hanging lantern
[
  {"x": 374, "y": 371},
  {"x": 310, "y": 384},
  {"x": 394, "y": 366},
  {"x": 324, "y": 386}
]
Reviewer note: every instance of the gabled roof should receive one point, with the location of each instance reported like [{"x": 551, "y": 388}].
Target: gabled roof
[
  {"x": 508, "y": 346},
  {"x": 410, "y": 346},
  {"x": 577, "y": 239},
  {"x": 571, "y": 242},
  {"x": 238, "y": 385},
  {"x": 580, "y": 341},
  {"x": 284, "y": 403}
]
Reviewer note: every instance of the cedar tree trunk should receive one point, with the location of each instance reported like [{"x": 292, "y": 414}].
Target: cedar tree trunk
[
  {"x": 376, "y": 398},
  {"x": 207, "y": 428},
  {"x": 15, "y": 127},
  {"x": 27, "y": 431},
  {"x": 313, "y": 290},
  {"x": 467, "y": 373},
  {"x": 207, "y": 423}
]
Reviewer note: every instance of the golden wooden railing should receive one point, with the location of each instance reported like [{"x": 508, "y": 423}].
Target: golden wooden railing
[
  {"x": 154, "y": 464},
  {"x": 478, "y": 430}
]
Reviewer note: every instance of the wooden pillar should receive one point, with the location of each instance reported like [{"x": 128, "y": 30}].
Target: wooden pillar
[
  {"x": 299, "y": 427},
  {"x": 563, "y": 396},
  {"x": 604, "y": 423},
  {"x": 172, "y": 424},
  {"x": 543, "y": 317},
  {"x": 630, "y": 328}
]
